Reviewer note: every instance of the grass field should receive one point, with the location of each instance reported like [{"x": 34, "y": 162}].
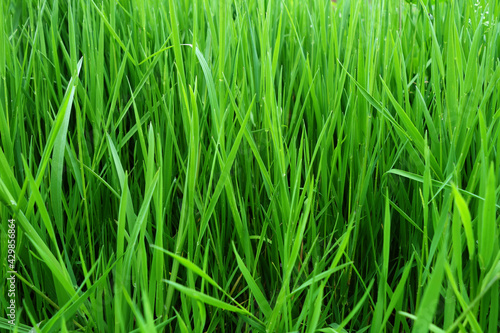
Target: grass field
[{"x": 250, "y": 166}]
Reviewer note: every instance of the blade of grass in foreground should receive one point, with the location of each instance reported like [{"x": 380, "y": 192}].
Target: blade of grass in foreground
[
  {"x": 488, "y": 235},
  {"x": 429, "y": 301},
  {"x": 192, "y": 267},
  {"x": 461, "y": 205},
  {"x": 435, "y": 183},
  {"x": 64, "y": 108},
  {"x": 254, "y": 288},
  {"x": 77, "y": 300},
  {"x": 58, "y": 159},
  {"x": 207, "y": 299}
]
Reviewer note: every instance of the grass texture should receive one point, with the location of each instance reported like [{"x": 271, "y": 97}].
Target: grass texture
[{"x": 251, "y": 166}]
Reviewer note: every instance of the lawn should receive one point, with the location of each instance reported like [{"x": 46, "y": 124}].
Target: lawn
[{"x": 250, "y": 166}]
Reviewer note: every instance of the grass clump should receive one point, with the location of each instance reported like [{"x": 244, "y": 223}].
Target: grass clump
[{"x": 253, "y": 166}]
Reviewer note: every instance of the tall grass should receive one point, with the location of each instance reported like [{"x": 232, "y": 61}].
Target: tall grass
[{"x": 251, "y": 166}]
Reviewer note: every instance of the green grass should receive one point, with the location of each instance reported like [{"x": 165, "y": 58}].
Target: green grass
[{"x": 251, "y": 166}]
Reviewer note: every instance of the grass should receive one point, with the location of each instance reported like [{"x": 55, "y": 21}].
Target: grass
[{"x": 251, "y": 166}]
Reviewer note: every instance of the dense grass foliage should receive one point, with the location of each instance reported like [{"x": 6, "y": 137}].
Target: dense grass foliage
[{"x": 251, "y": 166}]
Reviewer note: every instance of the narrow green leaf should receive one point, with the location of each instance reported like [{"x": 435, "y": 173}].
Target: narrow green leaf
[
  {"x": 205, "y": 298},
  {"x": 254, "y": 288},
  {"x": 461, "y": 205},
  {"x": 488, "y": 236},
  {"x": 429, "y": 302}
]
